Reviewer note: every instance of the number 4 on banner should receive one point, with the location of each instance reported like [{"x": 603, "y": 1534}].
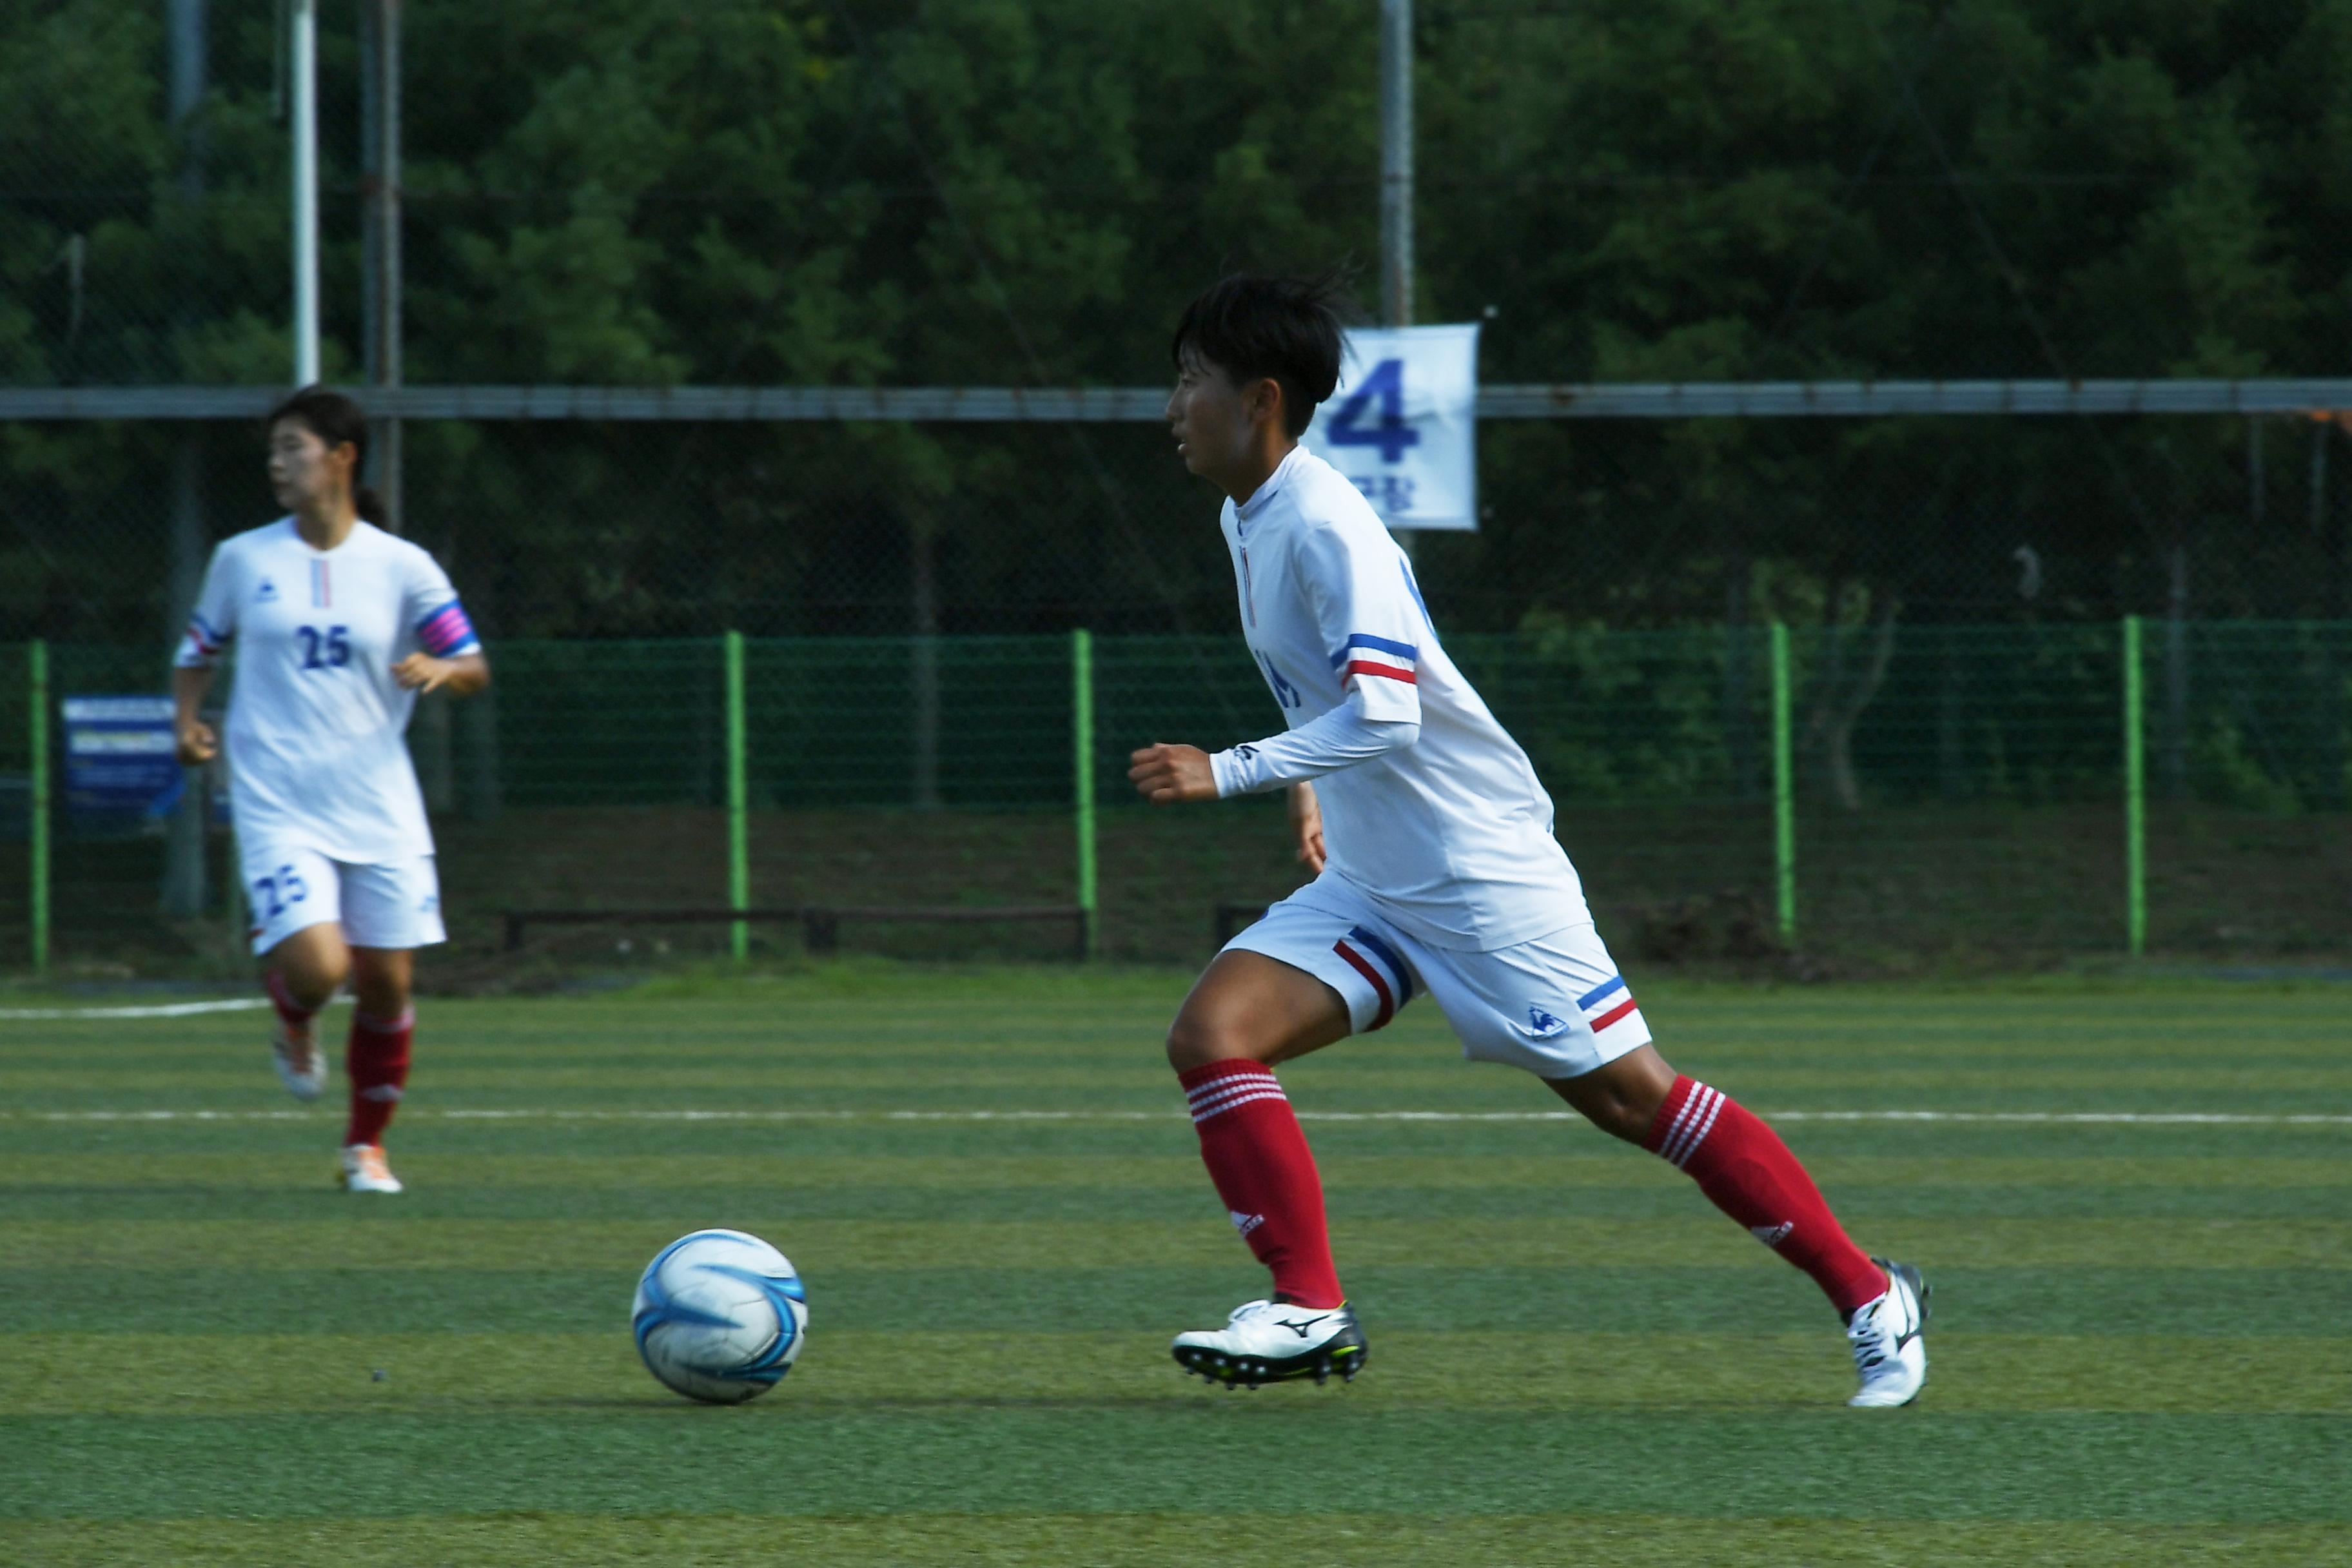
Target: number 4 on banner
[{"x": 1392, "y": 435}]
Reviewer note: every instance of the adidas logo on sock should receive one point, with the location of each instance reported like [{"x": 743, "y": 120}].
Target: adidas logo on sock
[
  {"x": 1772, "y": 1235},
  {"x": 1245, "y": 1223}
]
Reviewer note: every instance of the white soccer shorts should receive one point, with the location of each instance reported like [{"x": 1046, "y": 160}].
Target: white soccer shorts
[
  {"x": 1556, "y": 1007},
  {"x": 287, "y": 889}
]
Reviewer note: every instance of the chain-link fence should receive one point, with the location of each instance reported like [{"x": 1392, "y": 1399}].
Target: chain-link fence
[
  {"x": 567, "y": 527},
  {"x": 1875, "y": 796}
]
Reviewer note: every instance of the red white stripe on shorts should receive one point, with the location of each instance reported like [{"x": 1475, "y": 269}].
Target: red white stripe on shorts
[
  {"x": 1692, "y": 1123},
  {"x": 1237, "y": 1083},
  {"x": 1606, "y": 1004},
  {"x": 1368, "y": 955}
]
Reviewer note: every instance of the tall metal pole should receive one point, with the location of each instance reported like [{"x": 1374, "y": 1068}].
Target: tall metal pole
[
  {"x": 302, "y": 55},
  {"x": 183, "y": 855},
  {"x": 1396, "y": 175},
  {"x": 1784, "y": 789},
  {"x": 2135, "y": 794},
  {"x": 738, "y": 801},
  {"x": 36, "y": 744},
  {"x": 379, "y": 187},
  {"x": 1082, "y": 768},
  {"x": 189, "y": 61},
  {"x": 1396, "y": 162}
]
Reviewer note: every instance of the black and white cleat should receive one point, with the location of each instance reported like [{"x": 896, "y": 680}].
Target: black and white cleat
[{"x": 1275, "y": 1341}]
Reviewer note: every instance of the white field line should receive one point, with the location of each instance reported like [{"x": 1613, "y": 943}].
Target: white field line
[
  {"x": 552, "y": 1113},
  {"x": 158, "y": 1010}
]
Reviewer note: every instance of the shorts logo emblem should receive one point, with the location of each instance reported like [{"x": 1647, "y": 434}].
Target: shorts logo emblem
[
  {"x": 1772, "y": 1235},
  {"x": 1245, "y": 1223},
  {"x": 1543, "y": 1023}
]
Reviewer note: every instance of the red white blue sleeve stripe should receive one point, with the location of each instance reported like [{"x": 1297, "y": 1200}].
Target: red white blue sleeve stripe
[
  {"x": 446, "y": 633},
  {"x": 206, "y": 642},
  {"x": 1368, "y": 655}
]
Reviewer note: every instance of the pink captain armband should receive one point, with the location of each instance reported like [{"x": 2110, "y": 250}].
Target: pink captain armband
[{"x": 446, "y": 633}]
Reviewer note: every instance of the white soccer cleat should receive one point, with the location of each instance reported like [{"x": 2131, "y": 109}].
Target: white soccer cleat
[
  {"x": 1273, "y": 1342},
  {"x": 301, "y": 1064},
  {"x": 1890, "y": 1344},
  {"x": 365, "y": 1172}
]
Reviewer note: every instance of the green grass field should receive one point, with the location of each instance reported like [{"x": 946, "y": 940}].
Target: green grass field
[{"x": 2143, "y": 1345}]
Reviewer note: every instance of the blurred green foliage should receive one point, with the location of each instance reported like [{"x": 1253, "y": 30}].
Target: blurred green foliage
[{"x": 1025, "y": 192}]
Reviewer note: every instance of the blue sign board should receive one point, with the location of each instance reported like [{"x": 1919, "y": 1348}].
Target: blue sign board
[{"x": 119, "y": 758}]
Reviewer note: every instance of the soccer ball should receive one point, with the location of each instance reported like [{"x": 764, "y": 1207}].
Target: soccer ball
[{"x": 720, "y": 1316}]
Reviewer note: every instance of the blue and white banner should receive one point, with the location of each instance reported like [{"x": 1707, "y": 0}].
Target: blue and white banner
[
  {"x": 1403, "y": 425},
  {"x": 119, "y": 757}
]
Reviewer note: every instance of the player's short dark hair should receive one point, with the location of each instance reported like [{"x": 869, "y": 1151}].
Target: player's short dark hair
[
  {"x": 1287, "y": 328},
  {"x": 334, "y": 419}
]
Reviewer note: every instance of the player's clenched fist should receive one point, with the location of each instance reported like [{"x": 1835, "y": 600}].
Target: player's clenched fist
[
  {"x": 194, "y": 743},
  {"x": 1167, "y": 775}
]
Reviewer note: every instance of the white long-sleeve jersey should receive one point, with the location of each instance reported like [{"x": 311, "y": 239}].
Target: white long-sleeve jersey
[
  {"x": 1429, "y": 808},
  {"x": 318, "y": 755}
]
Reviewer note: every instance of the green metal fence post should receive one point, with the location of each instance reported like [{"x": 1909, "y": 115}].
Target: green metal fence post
[
  {"x": 1784, "y": 790},
  {"x": 36, "y": 664},
  {"x": 738, "y": 801},
  {"x": 2135, "y": 792},
  {"x": 1082, "y": 765}
]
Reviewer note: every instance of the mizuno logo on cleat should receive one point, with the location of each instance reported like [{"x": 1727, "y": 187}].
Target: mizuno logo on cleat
[{"x": 1300, "y": 1328}]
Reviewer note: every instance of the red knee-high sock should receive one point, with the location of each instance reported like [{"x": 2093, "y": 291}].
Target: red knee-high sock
[
  {"x": 377, "y": 1061},
  {"x": 1263, "y": 1170},
  {"x": 295, "y": 1014},
  {"x": 1744, "y": 1168}
]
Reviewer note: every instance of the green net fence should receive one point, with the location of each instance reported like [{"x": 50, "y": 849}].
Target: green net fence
[{"x": 1866, "y": 795}]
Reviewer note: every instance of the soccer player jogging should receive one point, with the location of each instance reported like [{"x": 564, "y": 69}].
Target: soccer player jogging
[
  {"x": 1437, "y": 871},
  {"x": 339, "y": 627}
]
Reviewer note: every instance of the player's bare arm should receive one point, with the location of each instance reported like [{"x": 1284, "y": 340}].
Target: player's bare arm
[
  {"x": 194, "y": 741},
  {"x": 1167, "y": 775},
  {"x": 463, "y": 676},
  {"x": 1306, "y": 827}
]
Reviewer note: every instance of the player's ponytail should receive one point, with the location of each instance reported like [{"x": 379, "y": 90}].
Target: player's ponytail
[{"x": 334, "y": 419}]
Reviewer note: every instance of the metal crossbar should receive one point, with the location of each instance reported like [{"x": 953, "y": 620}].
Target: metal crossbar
[{"x": 1144, "y": 405}]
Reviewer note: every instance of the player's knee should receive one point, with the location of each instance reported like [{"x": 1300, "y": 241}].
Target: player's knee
[
  {"x": 1195, "y": 1039},
  {"x": 1189, "y": 1044},
  {"x": 316, "y": 975}
]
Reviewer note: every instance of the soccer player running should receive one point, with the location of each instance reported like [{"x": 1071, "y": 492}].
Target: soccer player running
[
  {"x": 1437, "y": 871},
  {"x": 339, "y": 625}
]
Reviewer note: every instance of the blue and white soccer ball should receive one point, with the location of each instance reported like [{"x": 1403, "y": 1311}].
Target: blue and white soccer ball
[{"x": 720, "y": 1316}]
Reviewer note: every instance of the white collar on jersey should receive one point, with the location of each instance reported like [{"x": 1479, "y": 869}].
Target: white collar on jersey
[{"x": 1247, "y": 511}]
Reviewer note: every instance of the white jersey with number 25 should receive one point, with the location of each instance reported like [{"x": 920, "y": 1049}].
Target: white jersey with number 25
[
  {"x": 316, "y": 743},
  {"x": 1450, "y": 837}
]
